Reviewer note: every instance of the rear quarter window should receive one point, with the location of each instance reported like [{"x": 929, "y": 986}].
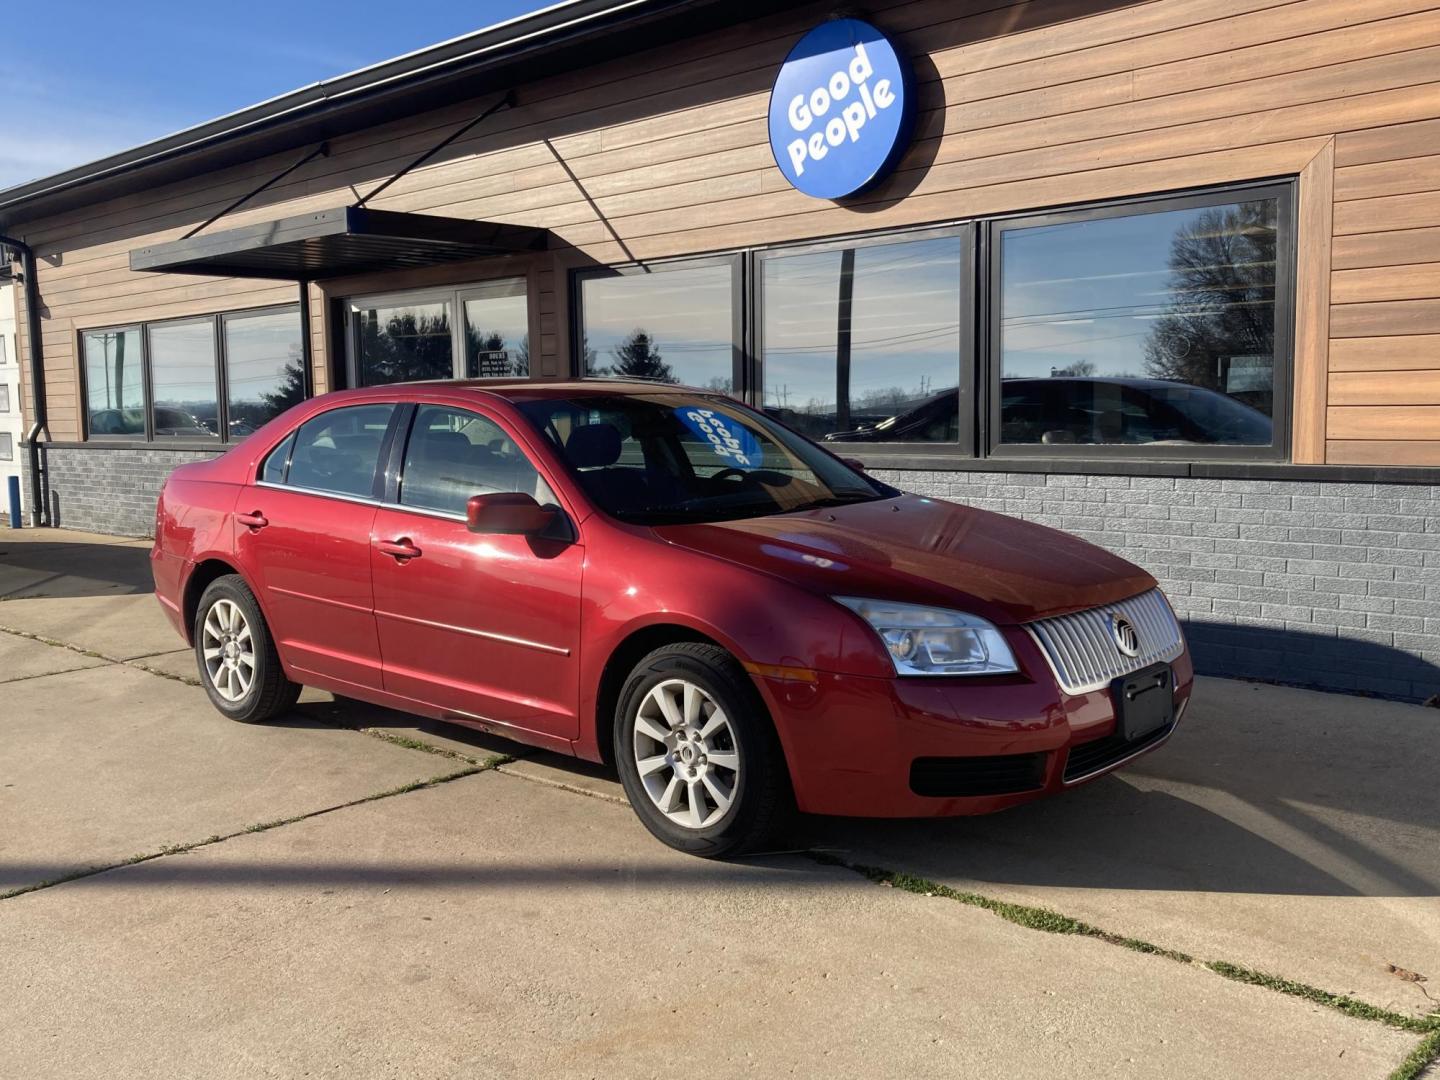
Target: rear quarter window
[
  {"x": 273, "y": 471},
  {"x": 338, "y": 452}
]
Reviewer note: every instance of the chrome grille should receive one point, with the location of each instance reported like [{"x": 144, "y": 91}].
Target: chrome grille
[{"x": 1083, "y": 654}]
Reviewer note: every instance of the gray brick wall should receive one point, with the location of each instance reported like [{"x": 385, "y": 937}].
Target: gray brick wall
[
  {"x": 1330, "y": 585},
  {"x": 107, "y": 489}
]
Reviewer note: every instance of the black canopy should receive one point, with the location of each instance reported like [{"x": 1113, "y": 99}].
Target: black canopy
[{"x": 337, "y": 243}]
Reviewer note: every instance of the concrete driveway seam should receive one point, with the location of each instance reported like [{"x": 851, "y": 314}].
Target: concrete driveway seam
[
  {"x": 495, "y": 760},
  {"x": 1425, "y": 1053},
  {"x": 573, "y": 789},
  {"x": 488, "y": 765},
  {"x": 42, "y": 674},
  {"x": 134, "y": 663}
]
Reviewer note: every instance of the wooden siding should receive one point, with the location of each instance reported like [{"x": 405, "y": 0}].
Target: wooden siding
[{"x": 1023, "y": 105}]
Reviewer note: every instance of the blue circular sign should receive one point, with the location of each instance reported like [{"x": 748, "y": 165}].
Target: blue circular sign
[{"x": 841, "y": 110}]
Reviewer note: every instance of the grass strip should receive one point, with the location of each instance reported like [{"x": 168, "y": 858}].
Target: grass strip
[
  {"x": 93, "y": 654},
  {"x": 487, "y": 765},
  {"x": 1033, "y": 918},
  {"x": 427, "y": 748},
  {"x": 1052, "y": 922},
  {"x": 1421, "y": 1058},
  {"x": 1347, "y": 1005},
  {"x": 59, "y": 644}
]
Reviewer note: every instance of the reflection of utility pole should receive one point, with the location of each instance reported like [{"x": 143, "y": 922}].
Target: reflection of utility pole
[
  {"x": 119, "y": 370},
  {"x": 844, "y": 324}
]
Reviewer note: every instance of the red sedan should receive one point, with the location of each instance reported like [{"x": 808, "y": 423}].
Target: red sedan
[{"x": 668, "y": 581}]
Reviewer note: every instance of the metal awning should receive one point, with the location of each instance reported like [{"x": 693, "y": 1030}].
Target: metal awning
[{"x": 337, "y": 243}]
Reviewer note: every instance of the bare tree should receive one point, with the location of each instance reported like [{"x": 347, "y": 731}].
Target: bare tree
[{"x": 1222, "y": 283}]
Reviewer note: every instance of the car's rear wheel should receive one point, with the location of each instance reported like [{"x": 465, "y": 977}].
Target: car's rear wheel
[
  {"x": 698, "y": 754},
  {"x": 239, "y": 666}
]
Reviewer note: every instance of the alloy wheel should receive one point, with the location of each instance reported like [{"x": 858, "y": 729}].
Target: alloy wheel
[
  {"x": 686, "y": 754},
  {"x": 229, "y": 650}
]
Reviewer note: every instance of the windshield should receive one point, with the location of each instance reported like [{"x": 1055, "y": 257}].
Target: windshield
[{"x": 656, "y": 459}]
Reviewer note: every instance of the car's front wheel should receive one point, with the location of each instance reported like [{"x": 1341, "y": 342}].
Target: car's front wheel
[
  {"x": 239, "y": 666},
  {"x": 697, "y": 752}
]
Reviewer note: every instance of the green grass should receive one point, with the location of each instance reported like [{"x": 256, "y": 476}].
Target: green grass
[
  {"x": 1426, "y": 1052},
  {"x": 424, "y": 747},
  {"x": 1032, "y": 918},
  {"x": 1424, "y": 1055},
  {"x": 1340, "y": 1002}
]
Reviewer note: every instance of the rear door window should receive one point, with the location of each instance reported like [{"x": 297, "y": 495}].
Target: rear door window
[{"x": 338, "y": 452}]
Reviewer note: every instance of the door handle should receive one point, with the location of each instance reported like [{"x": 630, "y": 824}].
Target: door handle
[
  {"x": 253, "y": 520},
  {"x": 401, "y": 549}
]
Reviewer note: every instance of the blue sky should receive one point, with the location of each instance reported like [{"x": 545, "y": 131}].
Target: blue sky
[{"x": 85, "y": 78}]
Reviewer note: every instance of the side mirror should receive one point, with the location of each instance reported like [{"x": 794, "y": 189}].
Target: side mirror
[
  {"x": 508, "y": 513},
  {"x": 854, "y": 463}
]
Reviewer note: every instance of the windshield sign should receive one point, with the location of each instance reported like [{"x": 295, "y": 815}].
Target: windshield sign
[
  {"x": 730, "y": 440},
  {"x": 659, "y": 459}
]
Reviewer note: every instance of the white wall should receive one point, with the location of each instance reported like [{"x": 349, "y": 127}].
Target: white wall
[{"x": 10, "y": 420}]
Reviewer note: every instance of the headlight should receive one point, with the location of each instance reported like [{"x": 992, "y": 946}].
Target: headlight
[{"x": 933, "y": 641}]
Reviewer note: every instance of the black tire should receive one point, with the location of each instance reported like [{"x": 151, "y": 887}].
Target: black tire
[
  {"x": 269, "y": 693},
  {"x": 762, "y": 801}
]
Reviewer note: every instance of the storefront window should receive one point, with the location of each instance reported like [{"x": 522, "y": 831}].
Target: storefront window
[
  {"x": 114, "y": 381},
  {"x": 264, "y": 368},
  {"x": 404, "y": 342},
  {"x": 863, "y": 344},
  {"x": 497, "y": 330},
  {"x": 1141, "y": 329},
  {"x": 182, "y": 380},
  {"x": 664, "y": 324}
]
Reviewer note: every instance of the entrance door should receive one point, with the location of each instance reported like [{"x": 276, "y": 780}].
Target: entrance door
[
  {"x": 473, "y": 332},
  {"x": 496, "y": 324},
  {"x": 487, "y": 626},
  {"x": 308, "y": 549}
]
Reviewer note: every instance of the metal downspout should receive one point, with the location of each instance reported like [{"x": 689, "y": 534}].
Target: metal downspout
[{"x": 38, "y": 515}]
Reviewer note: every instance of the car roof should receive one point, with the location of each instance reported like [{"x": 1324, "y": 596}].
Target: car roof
[{"x": 527, "y": 390}]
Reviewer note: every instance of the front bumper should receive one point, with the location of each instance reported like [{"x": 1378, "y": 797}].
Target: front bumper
[{"x": 851, "y": 742}]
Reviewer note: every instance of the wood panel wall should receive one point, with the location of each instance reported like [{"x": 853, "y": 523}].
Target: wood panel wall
[{"x": 1024, "y": 105}]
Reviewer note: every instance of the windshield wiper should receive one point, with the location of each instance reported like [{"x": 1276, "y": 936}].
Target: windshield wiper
[{"x": 832, "y": 500}]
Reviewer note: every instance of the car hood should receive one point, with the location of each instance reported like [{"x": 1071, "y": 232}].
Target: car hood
[{"x": 918, "y": 550}]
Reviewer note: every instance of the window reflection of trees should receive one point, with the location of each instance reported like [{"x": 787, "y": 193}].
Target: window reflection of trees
[
  {"x": 410, "y": 344},
  {"x": 1219, "y": 329}
]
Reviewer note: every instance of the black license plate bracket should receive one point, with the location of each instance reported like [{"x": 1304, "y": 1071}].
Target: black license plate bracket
[{"x": 1144, "y": 702}]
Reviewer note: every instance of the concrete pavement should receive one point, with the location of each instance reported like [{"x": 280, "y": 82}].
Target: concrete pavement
[
  {"x": 520, "y": 917},
  {"x": 494, "y": 927}
]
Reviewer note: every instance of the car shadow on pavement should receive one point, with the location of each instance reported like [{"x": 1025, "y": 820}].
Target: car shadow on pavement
[
  {"x": 63, "y": 570},
  {"x": 1262, "y": 789}
]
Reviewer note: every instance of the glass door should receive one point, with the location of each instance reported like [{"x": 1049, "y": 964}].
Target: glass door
[
  {"x": 497, "y": 330},
  {"x": 461, "y": 332}
]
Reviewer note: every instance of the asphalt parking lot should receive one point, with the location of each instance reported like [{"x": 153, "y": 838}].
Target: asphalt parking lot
[{"x": 356, "y": 892}]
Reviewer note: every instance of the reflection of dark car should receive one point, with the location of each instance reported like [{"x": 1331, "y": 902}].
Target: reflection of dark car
[
  {"x": 168, "y": 422},
  {"x": 1092, "y": 411},
  {"x": 177, "y": 422},
  {"x": 931, "y": 421}
]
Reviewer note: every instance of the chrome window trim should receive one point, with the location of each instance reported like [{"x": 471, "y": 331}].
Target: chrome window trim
[{"x": 322, "y": 494}]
